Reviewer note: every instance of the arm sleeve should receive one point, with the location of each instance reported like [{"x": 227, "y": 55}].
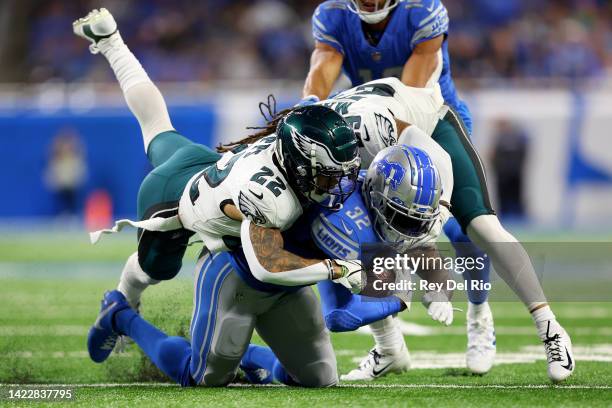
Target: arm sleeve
[
  {"x": 325, "y": 27},
  {"x": 413, "y": 136},
  {"x": 428, "y": 21},
  {"x": 262, "y": 207},
  {"x": 296, "y": 277}
]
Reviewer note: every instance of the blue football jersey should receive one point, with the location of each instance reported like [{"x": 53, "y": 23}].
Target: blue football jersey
[
  {"x": 340, "y": 234},
  {"x": 412, "y": 22}
]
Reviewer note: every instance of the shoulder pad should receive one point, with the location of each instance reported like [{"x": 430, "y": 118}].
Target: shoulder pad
[
  {"x": 264, "y": 207},
  {"x": 428, "y": 19}
]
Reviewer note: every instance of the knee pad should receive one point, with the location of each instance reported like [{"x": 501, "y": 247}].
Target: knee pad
[
  {"x": 318, "y": 374},
  {"x": 339, "y": 320},
  {"x": 234, "y": 334}
]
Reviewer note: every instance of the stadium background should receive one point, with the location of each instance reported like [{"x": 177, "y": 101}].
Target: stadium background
[
  {"x": 537, "y": 75},
  {"x": 539, "y": 70}
]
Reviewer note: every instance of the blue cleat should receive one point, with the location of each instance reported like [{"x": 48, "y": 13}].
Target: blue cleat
[
  {"x": 102, "y": 335},
  {"x": 253, "y": 364}
]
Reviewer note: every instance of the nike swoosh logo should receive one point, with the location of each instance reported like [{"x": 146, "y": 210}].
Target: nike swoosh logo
[
  {"x": 101, "y": 316},
  {"x": 377, "y": 373},
  {"x": 570, "y": 363},
  {"x": 259, "y": 196},
  {"x": 346, "y": 229},
  {"x": 430, "y": 8}
]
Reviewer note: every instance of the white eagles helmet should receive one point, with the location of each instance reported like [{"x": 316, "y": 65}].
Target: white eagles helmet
[{"x": 372, "y": 11}]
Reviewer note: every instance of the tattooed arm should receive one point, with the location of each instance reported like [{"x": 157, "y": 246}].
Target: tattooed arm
[{"x": 271, "y": 263}]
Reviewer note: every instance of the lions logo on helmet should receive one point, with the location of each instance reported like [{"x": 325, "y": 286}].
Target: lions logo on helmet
[
  {"x": 320, "y": 153},
  {"x": 392, "y": 171},
  {"x": 402, "y": 189}
]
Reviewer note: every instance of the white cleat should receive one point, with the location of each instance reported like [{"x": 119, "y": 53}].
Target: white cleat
[
  {"x": 376, "y": 365},
  {"x": 94, "y": 27},
  {"x": 481, "y": 347},
  {"x": 558, "y": 348}
]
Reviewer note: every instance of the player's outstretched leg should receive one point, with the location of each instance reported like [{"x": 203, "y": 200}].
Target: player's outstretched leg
[
  {"x": 513, "y": 265},
  {"x": 142, "y": 96},
  {"x": 481, "y": 345},
  {"x": 171, "y": 355},
  {"x": 344, "y": 311}
]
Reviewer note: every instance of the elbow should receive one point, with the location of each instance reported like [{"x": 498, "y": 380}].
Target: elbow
[
  {"x": 262, "y": 274},
  {"x": 341, "y": 320}
]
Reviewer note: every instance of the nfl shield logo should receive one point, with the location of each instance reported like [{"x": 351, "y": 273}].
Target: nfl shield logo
[{"x": 376, "y": 56}]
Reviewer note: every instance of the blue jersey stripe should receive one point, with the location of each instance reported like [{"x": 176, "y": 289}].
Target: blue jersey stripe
[
  {"x": 212, "y": 286},
  {"x": 198, "y": 289},
  {"x": 341, "y": 237}
]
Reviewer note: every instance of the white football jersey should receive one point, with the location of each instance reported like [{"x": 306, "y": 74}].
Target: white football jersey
[
  {"x": 249, "y": 179},
  {"x": 366, "y": 107}
]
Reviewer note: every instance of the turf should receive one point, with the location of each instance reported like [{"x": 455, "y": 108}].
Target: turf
[{"x": 47, "y": 308}]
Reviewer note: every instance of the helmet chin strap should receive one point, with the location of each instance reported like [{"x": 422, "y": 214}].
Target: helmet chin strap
[
  {"x": 313, "y": 159},
  {"x": 373, "y": 17}
]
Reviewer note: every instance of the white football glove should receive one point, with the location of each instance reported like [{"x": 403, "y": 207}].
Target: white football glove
[
  {"x": 438, "y": 307},
  {"x": 353, "y": 276}
]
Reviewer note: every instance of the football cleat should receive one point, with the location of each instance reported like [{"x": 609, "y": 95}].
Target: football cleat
[
  {"x": 252, "y": 367},
  {"x": 124, "y": 341},
  {"x": 257, "y": 375},
  {"x": 94, "y": 27},
  {"x": 102, "y": 335},
  {"x": 558, "y": 347},
  {"x": 481, "y": 347},
  {"x": 377, "y": 364}
]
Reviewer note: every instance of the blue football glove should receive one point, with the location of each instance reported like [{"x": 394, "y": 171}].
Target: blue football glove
[{"x": 307, "y": 101}]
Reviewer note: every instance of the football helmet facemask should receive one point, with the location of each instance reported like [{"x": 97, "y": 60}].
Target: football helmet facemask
[
  {"x": 402, "y": 188},
  {"x": 320, "y": 154}
]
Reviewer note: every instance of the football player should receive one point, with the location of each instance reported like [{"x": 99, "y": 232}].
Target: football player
[
  {"x": 382, "y": 110},
  {"x": 398, "y": 203},
  {"x": 241, "y": 198},
  {"x": 372, "y": 39}
]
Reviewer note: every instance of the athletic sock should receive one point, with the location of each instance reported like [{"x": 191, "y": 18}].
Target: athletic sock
[
  {"x": 263, "y": 357},
  {"x": 478, "y": 271},
  {"x": 474, "y": 310},
  {"x": 541, "y": 313},
  {"x": 387, "y": 335},
  {"x": 134, "y": 281},
  {"x": 258, "y": 357},
  {"x": 172, "y": 355},
  {"x": 125, "y": 65}
]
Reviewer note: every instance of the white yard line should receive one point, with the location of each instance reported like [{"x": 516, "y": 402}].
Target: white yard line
[
  {"x": 417, "y": 330},
  {"x": 344, "y": 385},
  {"x": 408, "y": 329},
  {"x": 525, "y": 355}
]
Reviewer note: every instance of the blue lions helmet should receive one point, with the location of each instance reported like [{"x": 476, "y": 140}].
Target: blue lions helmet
[{"x": 402, "y": 190}]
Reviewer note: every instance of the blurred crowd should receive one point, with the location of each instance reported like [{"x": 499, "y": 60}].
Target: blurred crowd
[{"x": 255, "y": 39}]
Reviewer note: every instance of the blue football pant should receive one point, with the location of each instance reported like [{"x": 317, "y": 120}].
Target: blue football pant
[{"x": 226, "y": 311}]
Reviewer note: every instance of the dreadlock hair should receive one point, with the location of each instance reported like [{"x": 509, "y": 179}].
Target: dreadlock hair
[{"x": 272, "y": 118}]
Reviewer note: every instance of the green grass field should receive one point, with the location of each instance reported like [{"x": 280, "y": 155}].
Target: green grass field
[{"x": 50, "y": 296}]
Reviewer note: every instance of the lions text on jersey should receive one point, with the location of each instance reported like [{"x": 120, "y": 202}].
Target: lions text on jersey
[
  {"x": 411, "y": 22},
  {"x": 341, "y": 233},
  {"x": 249, "y": 178}
]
